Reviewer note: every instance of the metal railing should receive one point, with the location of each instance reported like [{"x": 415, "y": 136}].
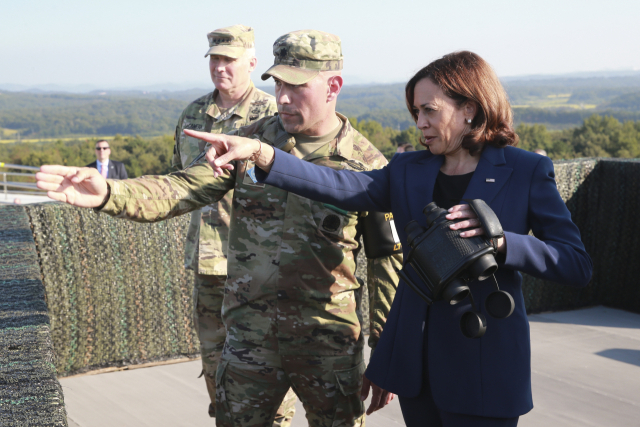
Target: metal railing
[{"x": 20, "y": 185}]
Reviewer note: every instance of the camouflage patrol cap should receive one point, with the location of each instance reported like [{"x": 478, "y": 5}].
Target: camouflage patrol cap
[
  {"x": 301, "y": 55},
  {"x": 230, "y": 41}
]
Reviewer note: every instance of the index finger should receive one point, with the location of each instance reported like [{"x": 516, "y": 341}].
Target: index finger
[{"x": 205, "y": 136}]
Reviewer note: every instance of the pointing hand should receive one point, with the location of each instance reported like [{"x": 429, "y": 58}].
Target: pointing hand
[{"x": 227, "y": 148}]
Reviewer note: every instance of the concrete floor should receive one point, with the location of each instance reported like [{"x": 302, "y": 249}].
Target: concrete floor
[
  {"x": 586, "y": 372},
  {"x": 23, "y": 198}
]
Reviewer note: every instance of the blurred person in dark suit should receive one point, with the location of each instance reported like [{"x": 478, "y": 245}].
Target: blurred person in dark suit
[
  {"x": 405, "y": 148},
  {"x": 107, "y": 168}
]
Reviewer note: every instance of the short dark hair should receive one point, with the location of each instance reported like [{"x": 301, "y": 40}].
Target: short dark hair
[
  {"x": 103, "y": 140},
  {"x": 465, "y": 76}
]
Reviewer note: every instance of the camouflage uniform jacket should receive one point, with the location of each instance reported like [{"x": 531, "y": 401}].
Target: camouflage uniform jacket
[
  {"x": 208, "y": 234},
  {"x": 291, "y": 260}
]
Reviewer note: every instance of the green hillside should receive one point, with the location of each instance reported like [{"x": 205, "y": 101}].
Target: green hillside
[
  {"x": 77, "y": 115},
  {"x": 557, "y": 103},
  {"x": 627, "y": 101}
]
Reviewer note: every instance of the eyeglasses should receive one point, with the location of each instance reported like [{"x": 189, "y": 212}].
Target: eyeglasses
[{"x": 102, "y": 148}]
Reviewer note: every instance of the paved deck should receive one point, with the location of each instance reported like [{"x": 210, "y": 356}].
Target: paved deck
[
  {"x": 23, "y": 198},
  {"x": 586, "y": 372}
]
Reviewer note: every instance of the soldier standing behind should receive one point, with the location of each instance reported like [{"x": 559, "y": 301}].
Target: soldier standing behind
[
  {"x": 291, "y": 306},
  {"x": 235, "y": 102}
]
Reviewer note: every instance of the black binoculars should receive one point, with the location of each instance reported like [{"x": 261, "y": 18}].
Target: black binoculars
[{"x": 446, "y": 263}]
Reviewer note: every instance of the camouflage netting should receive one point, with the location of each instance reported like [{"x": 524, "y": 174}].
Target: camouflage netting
[
  {"x": 604, "y": 199},
  {"x": 117, "y": 291},
  {"x": 361, "y": 273},
  {"x": 29, "y": 390}
]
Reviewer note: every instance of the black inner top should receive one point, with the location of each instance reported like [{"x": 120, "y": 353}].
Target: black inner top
[{"x": 449, "y": 189}]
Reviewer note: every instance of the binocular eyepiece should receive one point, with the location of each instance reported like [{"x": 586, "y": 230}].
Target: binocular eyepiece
[{"x": 446, "y": 263}]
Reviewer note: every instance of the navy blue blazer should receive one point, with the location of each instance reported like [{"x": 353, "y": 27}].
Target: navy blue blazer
[
  {"x": 489, "y": 376},
  {"x": 116, "y": 169}
]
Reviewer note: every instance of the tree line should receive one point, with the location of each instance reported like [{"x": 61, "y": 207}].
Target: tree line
[{"x": 599, "y": 136}]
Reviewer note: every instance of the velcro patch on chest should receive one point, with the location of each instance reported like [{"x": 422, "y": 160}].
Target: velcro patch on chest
[{"x": 250, "y": 176}]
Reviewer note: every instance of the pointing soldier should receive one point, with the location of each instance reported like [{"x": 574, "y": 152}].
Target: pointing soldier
[
  {"x": 291, "y": 306},
  {"x": 234, "y": 103}
]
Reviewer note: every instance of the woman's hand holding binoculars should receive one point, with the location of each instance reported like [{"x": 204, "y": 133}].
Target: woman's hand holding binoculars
[{"x": 470, "y": 224}]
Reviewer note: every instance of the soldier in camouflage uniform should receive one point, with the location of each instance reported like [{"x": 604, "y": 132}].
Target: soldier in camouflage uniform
[
  {"x": 234, "y": 103},
  {"x": 291, "y": 305}
]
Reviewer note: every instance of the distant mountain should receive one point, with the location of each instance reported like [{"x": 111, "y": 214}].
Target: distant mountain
[
  {"x": 627, "y": 101},
  {"x": 350, "y": 81},
  {"x": 577, "y": 82},
  {"x": 200, "y": 87},
  {"x": 576, "y": 75}
]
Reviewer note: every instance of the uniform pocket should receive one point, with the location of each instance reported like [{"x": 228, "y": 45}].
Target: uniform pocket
[
  {"x": 350, "y": 380},
  {"x": 194, "y": 312},
  {"x": 223, "y": 409},
  {"x": 220, "y": 374},
  {"x": 333, "y": 222}
]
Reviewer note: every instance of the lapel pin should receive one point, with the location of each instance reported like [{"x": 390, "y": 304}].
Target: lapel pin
[{"x": 490, "y": 180}]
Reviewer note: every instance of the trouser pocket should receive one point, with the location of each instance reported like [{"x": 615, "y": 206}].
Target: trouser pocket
[
  {"x": 349, "y": 409},
  {"x": 223, "y": 410}
]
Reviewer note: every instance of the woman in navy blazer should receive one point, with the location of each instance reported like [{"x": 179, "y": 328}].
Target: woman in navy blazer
[{"x": 441, "y": 377}]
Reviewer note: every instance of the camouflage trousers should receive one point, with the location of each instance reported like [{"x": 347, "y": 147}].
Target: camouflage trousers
[
  {"x": 208, "y": 296},
  {"x": 253, "y": 381}
]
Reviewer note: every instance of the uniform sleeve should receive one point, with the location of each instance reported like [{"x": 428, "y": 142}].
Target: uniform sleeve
[
  {"x": 382, "y": 282},
  {"x": 155, "y": 198},
  {"x": 555, "y": 251}
]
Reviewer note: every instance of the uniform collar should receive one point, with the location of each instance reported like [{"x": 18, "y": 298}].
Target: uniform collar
[
  {"x": 341, "y": 146},
  {"x": 240, "y": 109},
  {"x": 344, "y": 141}
]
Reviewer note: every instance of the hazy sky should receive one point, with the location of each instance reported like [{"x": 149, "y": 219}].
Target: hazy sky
[{"x": 141, "y": 42}]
